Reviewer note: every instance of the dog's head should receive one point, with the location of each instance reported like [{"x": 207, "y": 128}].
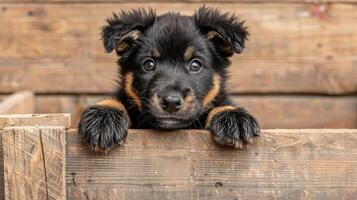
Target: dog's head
[{"x": 173, "y": 66}]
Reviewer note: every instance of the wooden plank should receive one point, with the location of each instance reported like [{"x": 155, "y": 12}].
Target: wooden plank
[
  {"x": 195, "y": 1},
  {"x": 271, "y": 111},
  {"x": 27, "y": 120},
  {"x": 2, "y": 184},
  {"x": 34, "y": 163},
  {"x": 186, "y": 164},
  {"x": 19, "y": 103},
  {"x": 311, "y": 62},
  {"x": 302, "y": 111},
  {"x": 72, "y": 104},
  {"x": 35, "y": 120},
  {"x": 267, "y": 76}
]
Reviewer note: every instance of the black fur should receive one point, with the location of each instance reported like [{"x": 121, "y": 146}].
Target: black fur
[
  {"x": 167, "y": 74},
  {"x": 234, "y": 127},
  {"x": 101, "y": 127}
]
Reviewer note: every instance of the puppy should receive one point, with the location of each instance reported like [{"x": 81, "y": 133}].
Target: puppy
[{"x": 173, "y": 72}]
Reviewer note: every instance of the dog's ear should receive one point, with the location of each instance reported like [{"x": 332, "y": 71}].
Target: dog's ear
[
  {"x": 123, "y": 29},
  {"x": 223, "y": 30}
]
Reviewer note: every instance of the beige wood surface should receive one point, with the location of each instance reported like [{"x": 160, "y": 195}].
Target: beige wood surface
[
  {"x": 194, "y": 1},
  {"x": 186, "y": 164},
  {"x": 35, "y": 120},
  {"x": 34, "y": 163},
  {"x": 271, "y": 111},
  {"x": 19, "y": 103},
  {"x": 299, "y": 48}
]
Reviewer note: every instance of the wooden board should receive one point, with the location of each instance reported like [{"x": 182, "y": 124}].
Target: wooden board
[
  {"x": 252, "y": 75},
  {"x": 283, "y": 164},
  {"x": 34, "y": 163},
  {"x": 47, "y": 46},
  {"x": 302, "y": 111},
  {"x": 196, "y": 1},
  {"x": 271, "y": 111},
  {"x": 18, "y": 103},
  {"x": 35, "y": 120},
  {"x": 2, "y": 184}
]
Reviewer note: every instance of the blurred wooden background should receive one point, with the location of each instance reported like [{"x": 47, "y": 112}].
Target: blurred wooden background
[{"x": 299, "y": 69}]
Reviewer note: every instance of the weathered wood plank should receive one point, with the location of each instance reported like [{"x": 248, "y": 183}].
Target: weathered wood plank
[
  {"x": 319, "y": 57},
  {"x": 35, "y": 120},
  {"x": 185, "y": 164},
  {"x": 34, "y": 163},
  {"x": 2, "y": 184},
  {"x": 18, "y": 103},
  {"x": 271, "y": 111},
  {"x": 303, "y": 111},
  {"x": 248, "y": 75},
  {"x": 193, "y": 1}
]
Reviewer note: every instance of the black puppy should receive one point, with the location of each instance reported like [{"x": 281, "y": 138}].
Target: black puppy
[{"x": 173, "y": 75}]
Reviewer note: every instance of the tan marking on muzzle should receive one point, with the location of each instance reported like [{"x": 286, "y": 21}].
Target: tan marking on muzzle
[
  {"x": 188, "y": 101},
  {"x": 213, "y": 91},
  {"x": 215, "y": 111},
  {"x": 130, "y": 91},
  {"x": 156, "y": 101},
  {"x": 188, "y": 53}
]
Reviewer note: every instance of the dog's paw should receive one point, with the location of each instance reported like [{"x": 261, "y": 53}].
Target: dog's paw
[
  {"x": 234, "y": 128},
  {"x": 101, "y": 127}
]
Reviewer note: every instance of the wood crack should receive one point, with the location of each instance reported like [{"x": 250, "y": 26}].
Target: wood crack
[{"x": 44, "y": 164}]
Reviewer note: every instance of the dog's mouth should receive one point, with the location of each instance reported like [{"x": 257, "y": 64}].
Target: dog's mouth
[{"x": 171, "y": 123}]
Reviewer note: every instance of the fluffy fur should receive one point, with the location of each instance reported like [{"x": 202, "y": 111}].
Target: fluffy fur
[{"x": 173, "y": 75}]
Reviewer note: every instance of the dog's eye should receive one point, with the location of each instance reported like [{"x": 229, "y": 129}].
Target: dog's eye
[
  {"x": 195, "y": 66},
  {"x": 149, "y": 65}
]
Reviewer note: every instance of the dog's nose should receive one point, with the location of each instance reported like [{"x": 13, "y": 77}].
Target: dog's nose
[{"x": 171, "y": 103}]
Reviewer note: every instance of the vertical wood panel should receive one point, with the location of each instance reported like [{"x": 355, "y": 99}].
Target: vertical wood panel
[{"x": 34, "y": 163}]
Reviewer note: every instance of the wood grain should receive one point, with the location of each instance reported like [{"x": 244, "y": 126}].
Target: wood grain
[
  {"x": 302, "y": 111},
  {"x": 193, "y": 1},
  {"x": 300, "y": 48},
  {"x": 271, "y": 111},
  {"x": 35, "y": 120},
  {"x": 19, "y": 103},
  {"x": 2, "y": 184},
  {"x": 34, "y": 163},
  {"x": 282, "y": 164}
]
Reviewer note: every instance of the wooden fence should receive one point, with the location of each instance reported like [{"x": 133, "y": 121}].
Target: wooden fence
[
  {"x": 298, "y": 70},
  {"x": 41, "y": 157},
  {"x": 49, "y": 162}
]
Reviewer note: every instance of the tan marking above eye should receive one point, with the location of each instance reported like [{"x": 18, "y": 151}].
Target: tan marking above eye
[
  {"x": 216, "y": 86},
  {"x": 130, "y": 91},
  {"x": 188, "y": 53},
  {"x": 155, "y": 53},
  {"x": 215, "y": 111}
]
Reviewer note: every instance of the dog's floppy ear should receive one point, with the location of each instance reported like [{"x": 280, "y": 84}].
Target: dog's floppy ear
[
  {"x": 123, "y": 29},
  {"x": 223, "y": 30}
]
